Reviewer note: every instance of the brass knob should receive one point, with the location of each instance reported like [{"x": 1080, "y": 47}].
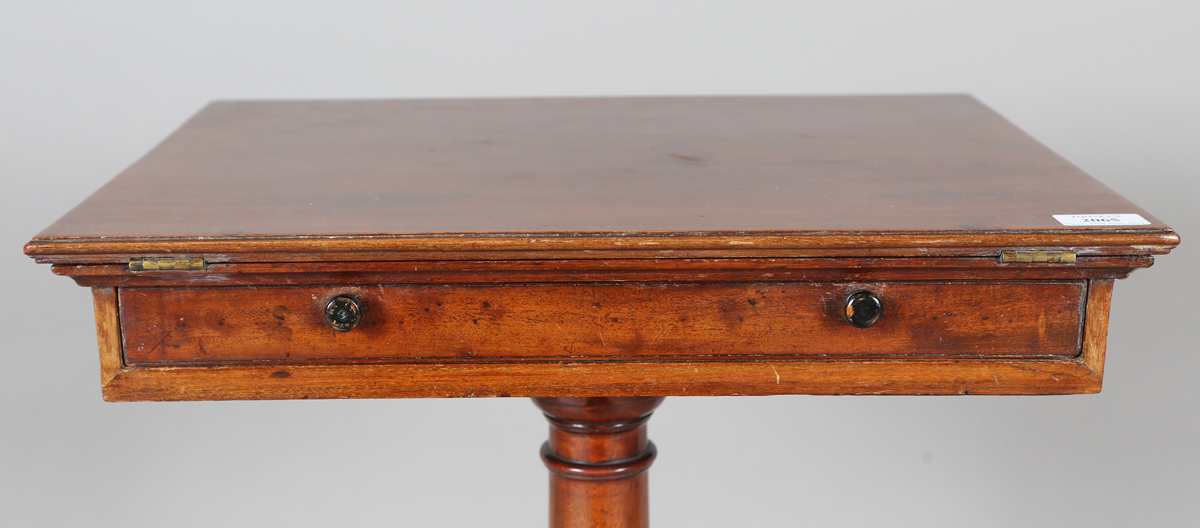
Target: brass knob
[
  {"x": 863, "y": 309},
  {"x": 343, "y": 314}
]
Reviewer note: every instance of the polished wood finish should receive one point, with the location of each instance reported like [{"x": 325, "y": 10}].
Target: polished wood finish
[
  {"x": 593, "y": 178},
  {"x": 597, "y": 255},
  {"x": 1095, "y": 339},
  {"x": 602, "y": 321},
  {"x": 598, "y": 454},
  {"x": 623, "y": 246},
  {"x": 108, "y": 333},
  {"x": 723, "y": 270},
  {"x": 599, "y": 247},
  {"x": 590, "y": 378}
]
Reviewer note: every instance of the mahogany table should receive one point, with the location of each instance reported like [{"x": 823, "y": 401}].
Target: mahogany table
[{"x": 598, "y": 255}]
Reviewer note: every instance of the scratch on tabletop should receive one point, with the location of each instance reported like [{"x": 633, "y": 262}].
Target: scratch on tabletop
[{"x": 660, "y": 334}]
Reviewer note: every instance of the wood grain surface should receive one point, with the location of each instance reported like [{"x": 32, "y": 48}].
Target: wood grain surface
[
  {"x": 598, "y": 255},
  {"x": 108, "y": 333},
  {"x": 640, "y": 321},
  {"x": 616, "y": 178},
  {"x": 595, "y": 379},
  {"x": 598, "y": 454},
  {"x": 1096, "y": 325},
  {"x": 598, "y": 247},
  {"x": 880, "y": 269}
]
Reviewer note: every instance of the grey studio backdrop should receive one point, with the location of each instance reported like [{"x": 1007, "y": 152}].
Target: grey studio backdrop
[{"x": 88, "y": 87}]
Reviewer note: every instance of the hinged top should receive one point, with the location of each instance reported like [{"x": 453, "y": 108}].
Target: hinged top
[
  {"x": 593, "y": 178},
  {"x": 165, "y": 264}
]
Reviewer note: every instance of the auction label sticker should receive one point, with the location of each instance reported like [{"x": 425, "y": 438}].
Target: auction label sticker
[{"x": 1101, "y": 220}]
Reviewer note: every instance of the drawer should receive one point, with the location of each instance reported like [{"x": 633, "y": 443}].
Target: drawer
[{"x": 605, "y": 321}]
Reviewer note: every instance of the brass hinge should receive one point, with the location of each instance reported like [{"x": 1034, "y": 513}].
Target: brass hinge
[
  {"x": 1049, "y": 257},
  {"x": 169, "y": 263}
]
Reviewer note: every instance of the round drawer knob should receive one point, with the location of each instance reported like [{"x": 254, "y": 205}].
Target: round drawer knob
[
  {"x": 343, "y": 314},
  {"x": 863, "y": 309}
]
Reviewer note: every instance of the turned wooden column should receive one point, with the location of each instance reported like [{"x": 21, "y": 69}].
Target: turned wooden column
[{"x": 598, "y": 455}]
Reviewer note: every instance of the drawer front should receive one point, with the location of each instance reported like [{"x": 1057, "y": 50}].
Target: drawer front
[{"x": 605, "y": 321}]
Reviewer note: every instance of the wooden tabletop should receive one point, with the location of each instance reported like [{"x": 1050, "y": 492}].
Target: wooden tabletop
[
  {"x": 685, "y": 176},
  {"x": 599, "y": 248}
]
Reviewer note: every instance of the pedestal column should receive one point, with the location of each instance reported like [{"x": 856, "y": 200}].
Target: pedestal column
[{"x": 598, "y": 455}]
